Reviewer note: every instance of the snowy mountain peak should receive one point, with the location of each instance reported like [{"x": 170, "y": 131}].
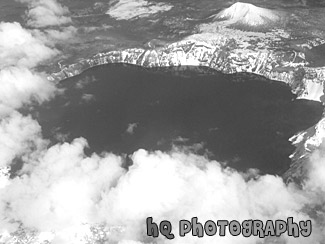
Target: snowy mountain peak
[{"x": 247, "y": 14}]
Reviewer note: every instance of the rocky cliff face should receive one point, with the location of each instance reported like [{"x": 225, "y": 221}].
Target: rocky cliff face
[{"x": 226, "y": 55}]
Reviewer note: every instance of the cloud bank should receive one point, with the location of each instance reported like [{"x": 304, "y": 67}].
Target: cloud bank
[
  {"x": 21, "y": 51},
  {"x": 64, "y": 188}
]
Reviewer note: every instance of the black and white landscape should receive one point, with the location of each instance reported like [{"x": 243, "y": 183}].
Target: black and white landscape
[{"x": 113, "y": 111}]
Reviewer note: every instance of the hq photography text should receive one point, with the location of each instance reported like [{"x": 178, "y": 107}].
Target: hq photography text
[{"x": 246, "y": 228}]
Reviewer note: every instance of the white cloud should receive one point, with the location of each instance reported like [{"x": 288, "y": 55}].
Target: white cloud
[
  {"x": 19, "y": 136},
  {"x": 64, "y": 188},
  {"x": 21, "y": 86},
  {"x": 131, "y": 128},
  {"x": 44, "y": 13},
  {"x": 21, "y": 51},
  {"x": 64, "y": 34},
  {"x": 18, "y": 47},
  {"x": 177, "y": 186},
  {"x": 88, "y": 98},
  {"x": 53, "y": 36},
  {"x": 316, "y": 181},
  {"x": 83, "y": 82}
]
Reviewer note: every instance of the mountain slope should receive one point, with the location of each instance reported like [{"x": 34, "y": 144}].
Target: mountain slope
[{"x": 247, "y": 14}]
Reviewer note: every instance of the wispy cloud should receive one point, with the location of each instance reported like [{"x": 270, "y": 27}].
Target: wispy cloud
[{"x": 44, "y": 13}]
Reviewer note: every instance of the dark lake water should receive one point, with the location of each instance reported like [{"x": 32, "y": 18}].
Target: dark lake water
[{"x": 244, "y": 120}]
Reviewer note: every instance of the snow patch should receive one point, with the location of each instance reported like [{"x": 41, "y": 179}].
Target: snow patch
[
  {"x": 314, "y": 91},
  {"x": 126, "y": 9}
]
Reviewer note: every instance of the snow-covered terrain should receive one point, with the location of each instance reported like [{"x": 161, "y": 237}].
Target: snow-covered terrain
[{"x": 247, "y": 14}]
